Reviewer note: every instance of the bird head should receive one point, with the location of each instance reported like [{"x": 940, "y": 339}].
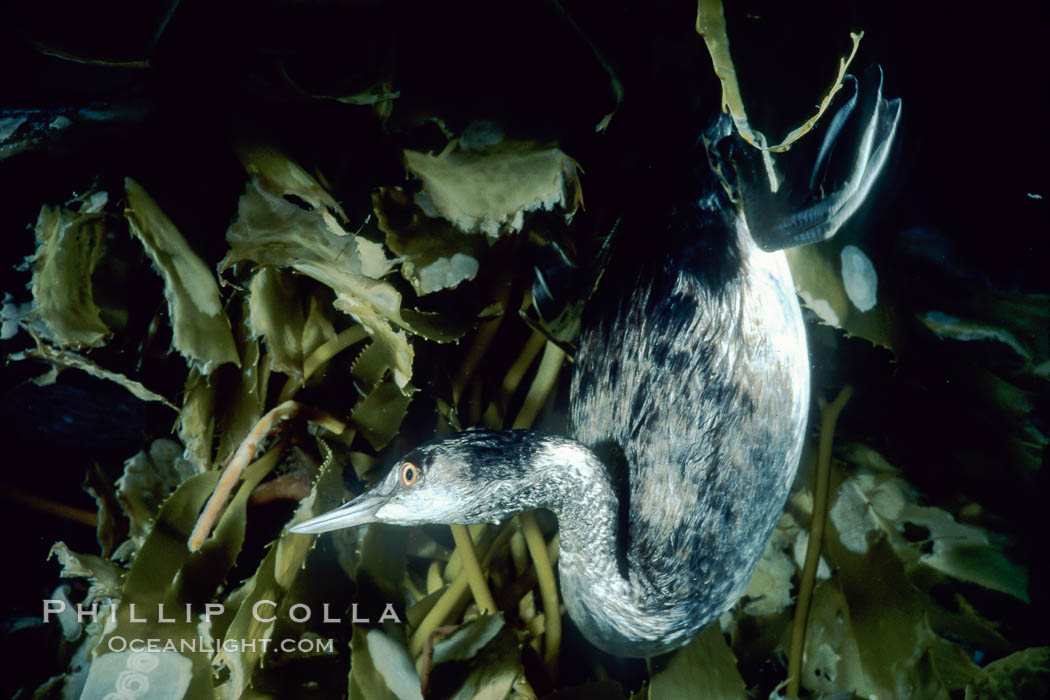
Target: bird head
[{"x": 472, "y": 477}]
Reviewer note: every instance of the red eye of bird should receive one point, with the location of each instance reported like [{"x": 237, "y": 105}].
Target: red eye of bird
[{"x": 409, "y": 474}]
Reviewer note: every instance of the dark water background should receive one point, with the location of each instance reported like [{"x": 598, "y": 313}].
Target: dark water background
[{"x": 955, "y": 199}]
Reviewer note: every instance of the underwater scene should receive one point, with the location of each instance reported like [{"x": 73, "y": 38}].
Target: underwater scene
[{"x": 374, "y": 349}]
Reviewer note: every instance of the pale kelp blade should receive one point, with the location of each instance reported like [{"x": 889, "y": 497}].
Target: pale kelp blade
[
  {"x": 201, "y": 330},
  {"x": 490, "y": 191},
  {"x": 69, "y": 245},
  {"x": 705, "y": 668},
  {"x": 276, "y": 315}
]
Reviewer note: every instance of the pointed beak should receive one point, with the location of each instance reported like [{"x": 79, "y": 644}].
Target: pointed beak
[{"x": 360, "y": 511}]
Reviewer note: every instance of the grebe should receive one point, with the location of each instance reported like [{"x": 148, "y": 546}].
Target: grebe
[{"x": 689, "y": 400}]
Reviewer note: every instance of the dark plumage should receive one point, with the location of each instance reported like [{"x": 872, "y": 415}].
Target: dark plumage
[{"x": 689, "y": 401}]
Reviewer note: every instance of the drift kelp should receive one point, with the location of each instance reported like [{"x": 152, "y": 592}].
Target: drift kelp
[{"x": 70, "y": 242}]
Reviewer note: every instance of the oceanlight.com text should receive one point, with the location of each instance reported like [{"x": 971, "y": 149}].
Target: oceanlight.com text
[{"x": 193, "y": 645}]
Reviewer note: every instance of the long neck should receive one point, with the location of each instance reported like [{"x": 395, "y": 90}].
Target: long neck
[{"x": 617, "y": 610}]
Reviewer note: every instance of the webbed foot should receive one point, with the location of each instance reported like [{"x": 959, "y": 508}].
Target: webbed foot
[{"x": 855, "y": 148}]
